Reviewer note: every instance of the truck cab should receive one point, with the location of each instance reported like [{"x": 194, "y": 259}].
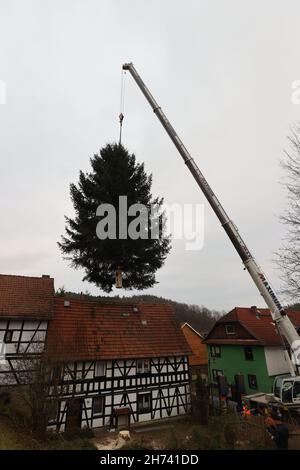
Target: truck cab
[{"x": 287, "y": 390}]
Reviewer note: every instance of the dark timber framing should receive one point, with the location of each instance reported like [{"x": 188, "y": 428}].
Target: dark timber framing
[
  {"x": 26, "y": 340},
  {"x": 167, "y": 383}
]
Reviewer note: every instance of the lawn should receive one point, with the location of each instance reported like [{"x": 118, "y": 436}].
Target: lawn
[
  {"x": 222, "y": 432},
  {"x": 14, "y": 436}
]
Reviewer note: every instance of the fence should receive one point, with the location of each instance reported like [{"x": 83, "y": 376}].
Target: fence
[{"x": 251, "y": 432}]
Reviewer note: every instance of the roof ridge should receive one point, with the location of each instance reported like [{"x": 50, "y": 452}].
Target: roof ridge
[
  {"x": 190, "y": 326},
  {"x": 118, "y": 303},
  {"x": 23, "y": 276}
]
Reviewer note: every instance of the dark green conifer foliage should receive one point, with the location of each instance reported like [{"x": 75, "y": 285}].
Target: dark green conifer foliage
[{"x": 114, "y": 173}]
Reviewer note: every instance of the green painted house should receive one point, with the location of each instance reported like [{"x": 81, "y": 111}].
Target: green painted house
[{"x": 245, "y": 341}]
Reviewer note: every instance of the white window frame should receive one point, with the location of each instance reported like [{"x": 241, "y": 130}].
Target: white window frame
[
  {"x": 102, "y": 407},
  {"x": 141, "y": 406},
  {"x": 213, "y": 352},
  {"x": 100, "y": 365},
  {"x": 249, "y": 382},
  {"x": 141, "y": 367},
  {"x": 230, "y": 332},
  {"x": 216, "y": 373}
]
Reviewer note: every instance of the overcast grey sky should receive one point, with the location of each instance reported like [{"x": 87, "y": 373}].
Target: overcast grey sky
[{"x": 221, "y": 70}]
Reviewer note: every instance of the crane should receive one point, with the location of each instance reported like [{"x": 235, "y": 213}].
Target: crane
[{"x": 286, "y": 388}]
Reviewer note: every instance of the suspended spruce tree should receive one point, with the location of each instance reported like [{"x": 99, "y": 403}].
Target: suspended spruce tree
[{"x": 115, "y": 173}]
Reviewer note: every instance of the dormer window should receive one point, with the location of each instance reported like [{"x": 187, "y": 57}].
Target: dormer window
[{"x": 230, "y": 329}]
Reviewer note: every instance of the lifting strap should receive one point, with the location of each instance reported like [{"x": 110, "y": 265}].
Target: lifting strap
[{"x": 122, "y": 99}]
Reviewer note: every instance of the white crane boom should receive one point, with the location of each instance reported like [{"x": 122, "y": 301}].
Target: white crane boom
[{"x": 282, "y": 321}]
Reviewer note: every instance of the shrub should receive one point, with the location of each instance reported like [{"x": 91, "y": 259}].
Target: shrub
[
  {"x": 135, "y": 445},
  {"x": 85, "y": 433},
  {"x": 74, "y": 444}
]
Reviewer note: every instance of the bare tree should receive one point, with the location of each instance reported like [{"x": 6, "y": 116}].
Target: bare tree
[
  {"x": 288, "y": 257},
  {"x": 35, "y": 385}
]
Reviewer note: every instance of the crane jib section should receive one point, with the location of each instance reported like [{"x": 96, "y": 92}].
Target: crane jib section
[{"x": 282, "y": 320}]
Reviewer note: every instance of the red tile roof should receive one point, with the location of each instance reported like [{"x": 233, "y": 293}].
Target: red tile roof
[
  {"x": 258, "y": 323},
  {"x": 23, "y": 296},
  {"x": 93, "y": 330}
]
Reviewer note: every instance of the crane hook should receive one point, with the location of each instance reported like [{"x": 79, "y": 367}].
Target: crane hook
[{"x": 121, "y": 117}]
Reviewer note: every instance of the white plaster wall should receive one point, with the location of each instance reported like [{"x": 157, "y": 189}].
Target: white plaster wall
[{"x": 276, "y": 362}]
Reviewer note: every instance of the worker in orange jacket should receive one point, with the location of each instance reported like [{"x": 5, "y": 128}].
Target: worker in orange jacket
[{"x": 246, "y": 411}]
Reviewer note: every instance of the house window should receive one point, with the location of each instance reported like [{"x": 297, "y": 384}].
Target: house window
[
  {"x": 215, "y": 351},
  {"x": 215, "y": 374},
  {"x": 230, "y": 329},
  {"x": 57, "y": 372},
  {"x": 248, "y": 354},
  {"x": 100, "y": 369},
  {"x": 53, "y": 411},
  {"x": 252, "y": 382},
  {"x": 8, "y": 336},
  {"x": 144, "y": 403},
  {"x": 98, "y": 406},
  {"x": 143, "y": 366},
  {"x": 296, "y": 390}
]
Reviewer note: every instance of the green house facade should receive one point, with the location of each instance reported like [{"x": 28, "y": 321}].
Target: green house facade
[
  {"x": 233, "y": 359},
  {"x": 246, "y": 342}
]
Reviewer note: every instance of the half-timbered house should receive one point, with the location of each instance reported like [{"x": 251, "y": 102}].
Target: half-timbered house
[
  {"x": 120, "y": 363},
  {"x": 26, "y": 307}
]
